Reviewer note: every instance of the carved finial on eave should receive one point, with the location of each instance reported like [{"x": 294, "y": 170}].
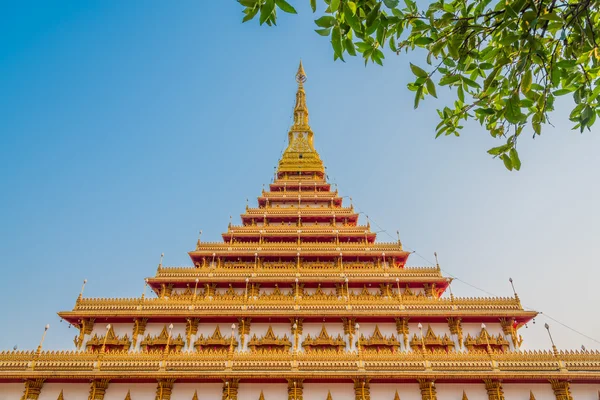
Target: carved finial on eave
[{"x": 531, "y": 396}]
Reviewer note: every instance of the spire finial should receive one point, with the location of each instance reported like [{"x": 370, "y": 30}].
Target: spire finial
[
  {"x": 300, "y": 109},
  {"x": 300, "y": 75}
]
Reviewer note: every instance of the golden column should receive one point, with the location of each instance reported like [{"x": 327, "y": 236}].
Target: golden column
[
  {"x": 98, "y": 388},
  {"x": 562, "y": 389},
  {"x": 164, "y": 389},
  {"x": 362, "y": 389},
  {"x": 494, "y": 389},
  {"x": 33, "y": 387},
  {"x": 230, "y": 388},
  {"x": 295, "y": 389},
  {"x": 427, "y": 387}
]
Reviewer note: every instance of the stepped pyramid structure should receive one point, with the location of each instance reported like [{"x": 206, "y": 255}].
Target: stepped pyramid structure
[{"x": 299, "y": 301}]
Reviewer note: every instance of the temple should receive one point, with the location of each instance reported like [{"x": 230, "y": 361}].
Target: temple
[{"x": 299, "y": 301}]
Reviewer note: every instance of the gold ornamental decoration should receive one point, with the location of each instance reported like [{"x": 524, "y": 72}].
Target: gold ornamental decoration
[
  {"x": 160, "y": 342},
  {"x": 431, "y": 341},
  {"x": 377, "y": 342},
  {"x": 110, "y": 341},
  {"x": 270, "y": 342},
  {"x": 323, "y": 341},
  {"x": 215, "y": 342}
]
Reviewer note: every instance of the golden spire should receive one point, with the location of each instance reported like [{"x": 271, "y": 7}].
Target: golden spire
[
  {"x": 195, "y": 395},
  {"x": 329, "y": 392},
  {"x": 60, "y": 396},
  {"x": 300, "y": 155},
  {"x": 262, "y": 396},
  {"x": 128, "y": 396},
  {"x": 396, "y": 396},
  {"x": 464, "y": 396},
  {"x": 300, "y": 109}
]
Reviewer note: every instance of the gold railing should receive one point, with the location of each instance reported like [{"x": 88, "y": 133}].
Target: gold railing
[
  {"x": 585, "y": 364},
  {"x": 284, "y": 303},
  {"x": 306, "y": 269}
]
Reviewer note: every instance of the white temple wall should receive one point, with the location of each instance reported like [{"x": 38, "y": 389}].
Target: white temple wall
[
  {"x": 493, "y": 329},
  {"x": 318, "y": 391},
  {"x": 387, "y": 391},
  {"x": 50, "y": 391},
  {"x": 185, "y": 391},
  {"x": 100, "y": 330},
  {"x": 251, "y": 391},
  {"x": 333, "y": 329},
  {"x": 312, "y": 391},
  {"x": 541, "y": 391},
  {"x": 154, "y": 329},
  {"x": 474, "y": 391},
  {"x": 118, "y": 391},
  {"x": 583, "y": 391},
  {"x": 12, "y": 391}
]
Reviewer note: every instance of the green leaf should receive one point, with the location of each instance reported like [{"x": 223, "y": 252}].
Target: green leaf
[
  {"x": 461, "y": 93},
  {"x": 448, "y": 8},
  {"x": 514, "y": 158},
  {"x": 251, "y": 14},
  {"x": 422, "y": 41},
  {"x": 247, "y": 3},
  {"x": 512, "y": 112},
  {"x": 562, "y": 92},
  {"x": 313, "y": 5},
  {"x": 391, "y": 3},
  {"x": 566, "y": 64},
  {"x": 418, "y": 71},
  {"x": 471, "y": 83},
  {"x": 266, "y": 11},
  {"x": 526, "y": 81},
  {"x": 551, "y": 17},
  {"x": 351, "y": 18},
  {"x": 507, "y": 162},
  {"x": 431, "y": 87},
  {"x": 496, "y": 151},
  {"x": 324, "y": 31},
  {"x": 336, "y": 42},
  {"x": 285, "y": 7},
  {"x": 362, "y": 46},
  {"x": 352, "y": 6},
  {"x": 334, "y": 5},
  {"x": 326, "y": 21},
  {"x": 350, "y": 46},
  {"x": 418, "y": 95}
]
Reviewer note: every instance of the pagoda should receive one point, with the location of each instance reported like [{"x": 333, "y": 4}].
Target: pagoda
[{"x": 299, "y": 301}]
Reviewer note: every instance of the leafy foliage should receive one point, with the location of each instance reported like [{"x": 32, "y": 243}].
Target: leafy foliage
[{"x": 507, "y": 61}]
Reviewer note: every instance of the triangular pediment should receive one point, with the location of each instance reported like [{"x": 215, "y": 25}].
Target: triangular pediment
[{"x": 270, "y": 335}]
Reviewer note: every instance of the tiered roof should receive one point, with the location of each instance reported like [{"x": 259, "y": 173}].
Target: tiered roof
[{"x": 302, "y": 237}]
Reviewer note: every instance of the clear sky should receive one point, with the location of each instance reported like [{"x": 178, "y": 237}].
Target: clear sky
[{"x": 126, "y": 127}]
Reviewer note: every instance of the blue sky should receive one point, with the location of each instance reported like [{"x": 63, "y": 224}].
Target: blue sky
[{"x": 126, "y": 127}]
